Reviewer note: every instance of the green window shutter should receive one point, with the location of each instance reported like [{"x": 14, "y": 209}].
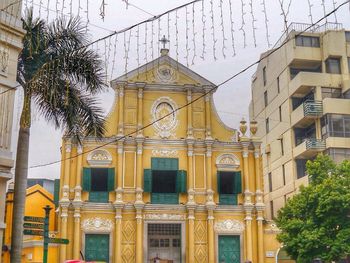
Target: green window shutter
[
  {"x": 86, "y": 179},
  {"x": 165, "y": 164},
  {"x": 110, "y": 183},
  {"x": 181, "y": 181},
  {"x": 218, "y": 178},
  {"x": 228, "y": 199},
  {"x": 237, "y": 183},
  {"x": 56, "y": 194},
  {"x": 147, "y": 180},
  {"x": 98, "y": 197},
  {"x": 164, "y": 198}
]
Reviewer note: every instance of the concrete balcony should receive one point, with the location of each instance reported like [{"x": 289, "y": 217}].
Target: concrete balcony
[
  {"x": 303, "y": 81},
  {"x": 306, "y": 113},
  {"x": 336, "y": 106},
  {"x": 309, "y": 148}
]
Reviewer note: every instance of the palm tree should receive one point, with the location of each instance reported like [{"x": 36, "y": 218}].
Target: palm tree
[{"x": 59, "y": 75}]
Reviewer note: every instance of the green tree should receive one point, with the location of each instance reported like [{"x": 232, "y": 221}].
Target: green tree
[
  {"x": 315, "y": 223},
  {"x": 60, "y": 78}
]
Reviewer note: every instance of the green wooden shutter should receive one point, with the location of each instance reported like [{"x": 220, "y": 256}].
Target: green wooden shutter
[
  {"x": 218, "y": 178},
  {"x": 237, "y": 183},
  {"x": 86, "y": 179},
  {"x": 181, "y": 181},
  {"x": 110, "y": 182},
  {"x": 147, "y": 180},
  {"x": 56, "y": 193},
  {"x": 165, "y": 164}
]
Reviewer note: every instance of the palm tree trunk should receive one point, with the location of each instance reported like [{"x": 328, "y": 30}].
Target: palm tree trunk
[{"x": 21, "y": 174}]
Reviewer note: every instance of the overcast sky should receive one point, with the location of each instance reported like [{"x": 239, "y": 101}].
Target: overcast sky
[{"x": 231, "y": 99}]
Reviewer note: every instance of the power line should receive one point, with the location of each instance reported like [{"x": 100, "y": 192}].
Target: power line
[{"x": 201, "y": 96}]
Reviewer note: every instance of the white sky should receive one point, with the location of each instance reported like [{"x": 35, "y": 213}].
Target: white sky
[{"x": 231, "y": 99}]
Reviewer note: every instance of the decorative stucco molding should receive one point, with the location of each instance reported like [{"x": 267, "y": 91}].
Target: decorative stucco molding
[
  {"x": 227, "y": 162},
  {"x": 99, "y": 157},
  {"x": 164, "y": 217},
  {"x": 272, "y": 228},
  {"x": 164, "y": 126},
  {"x": 97, "y": 224},
  {"x": 164, "y": 153},
  {"x": 229, "y": 226}
]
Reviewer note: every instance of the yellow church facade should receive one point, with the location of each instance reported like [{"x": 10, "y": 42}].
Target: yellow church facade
[{"x": 185, "y": 188}]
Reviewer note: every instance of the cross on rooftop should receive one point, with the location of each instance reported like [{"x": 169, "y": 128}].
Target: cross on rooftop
[{"x": 164, "y": 41}]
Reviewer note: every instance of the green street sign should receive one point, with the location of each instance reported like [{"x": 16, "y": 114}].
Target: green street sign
[
  {"x": 33, "y": 225},
  {"x": 57, "y": 240},
  {"x": 34, "y": 219},
  {"x": 33, "y": 232}
]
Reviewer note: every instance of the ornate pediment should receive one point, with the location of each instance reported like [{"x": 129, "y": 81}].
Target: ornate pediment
[
  {"x": 97, "y": 224},
  {"x": 227, "y": 162},
  {"x": 99, "y": 158},
  {"x": 229, "y": 226}
]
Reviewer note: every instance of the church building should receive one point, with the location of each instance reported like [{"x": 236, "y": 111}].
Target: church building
[{"x": 169, "y": 182}]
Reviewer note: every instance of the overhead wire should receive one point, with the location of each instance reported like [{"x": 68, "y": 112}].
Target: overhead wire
[{"x": 199, "y": 97}]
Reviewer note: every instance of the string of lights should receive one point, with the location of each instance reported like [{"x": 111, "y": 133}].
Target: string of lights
[{"x": 199, "y": 97}]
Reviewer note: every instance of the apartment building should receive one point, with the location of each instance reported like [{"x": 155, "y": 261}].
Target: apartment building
[
  {"x": 11, "y": 35},
  {"x": 301, "y": 101}
]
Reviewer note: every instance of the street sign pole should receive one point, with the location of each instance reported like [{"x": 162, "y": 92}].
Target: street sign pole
[{"x": 46, "y": 231}]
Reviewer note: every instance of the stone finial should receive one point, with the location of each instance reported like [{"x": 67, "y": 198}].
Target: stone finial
[
  {"x": 253, "y": 127},
  {"x": 243, "y": 127}
]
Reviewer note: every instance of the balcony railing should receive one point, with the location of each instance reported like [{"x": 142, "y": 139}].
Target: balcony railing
[
  {"x": 313, "y": 108},
  {"x": 315, "y": 144}
]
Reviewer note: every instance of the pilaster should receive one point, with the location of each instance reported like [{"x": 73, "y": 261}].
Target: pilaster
[
  {"x": 77, "y": 241},
  {"x": 119, "y": 190},
  {"x": 139, "y": 232},
  {"x": 190, "y": 143},
  {"x": 121, "y": 85},
  {"x": 118, "y": 234},
  {"x": 189, "y": 111},
  {"x": 211, "y": 240},
  {"x": 208, "y": 112},
  {"x": 64, "y": 220},
  {"x": 78, "y": 188},
  {"x": 191, "y": 218},
  {"x": 208, "y": 154},
  {"x": 140, "y": 86},
  {"x": 65, "y": 187}
]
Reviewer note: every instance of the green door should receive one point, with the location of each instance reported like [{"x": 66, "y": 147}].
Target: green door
[
  {"x": 229, "y": 249},
  {"x": 97, "y": 247}
]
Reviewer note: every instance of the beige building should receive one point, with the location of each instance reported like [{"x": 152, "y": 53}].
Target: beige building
[
  {"x": 301, "y": 101},
  {"x": 11, "y": 34}
]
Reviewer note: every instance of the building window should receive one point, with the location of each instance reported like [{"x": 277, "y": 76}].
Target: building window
[
  {"x": 346, "y": 95},
  {"x": 297, "y": 101},
  {"x": 331, "y": 93},
  {"x": 338, "y": 154},
  {"x": 333, "y": 66},
  {"x": 282, "y": 146},
  {"x": 347, "y": 36},
  {"x": 264, "y": 75},
  {"x": 272, "y": 210},
  {"x": 284, "y": 174},
  {"x": 270, "y": 181},
  {"x": 307, "y": 41},
  {"x": 280, "y": 112},
  {"x": 266, "y": 101},
  {"x": 267, "y": 125},
  {"x": 301, "y": 167},
  {"x": 301, "y": 134},
  {"x": 98, "y": 182},
  {"x": 229, "y": 186},
  {"x": 165, "y": 181},
  {"x": 278, "y": 85},
  {"x": 335, "y": 125},
  {"x": 295, "y": 71}
]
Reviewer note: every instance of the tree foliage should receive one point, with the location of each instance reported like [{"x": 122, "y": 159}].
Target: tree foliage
[{"x": 315, "y": 223}]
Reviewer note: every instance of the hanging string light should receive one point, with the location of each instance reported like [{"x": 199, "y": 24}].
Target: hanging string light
[
  {"x": 187, "y": 29},
  {"x": 253, "y": 20},
  {"x": 222, "y": 29},
  {"x": 335, "y": 13},
  {"x": 213, "y": 29},
  {"x": 194, "y": 35},
  {"x": 323, "y": 4},
  {"x": 310, "y": 11},
  {"x": 243, "y": 24},
  {"x": 176, "y": 36},
  {"x": 267, "y": 34},
  {"x": 115, "y": 53},
  {"x": 285, "y": 12},
  {"x": 232, "y": 29},
  {"x": 203, "y": 31}
]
